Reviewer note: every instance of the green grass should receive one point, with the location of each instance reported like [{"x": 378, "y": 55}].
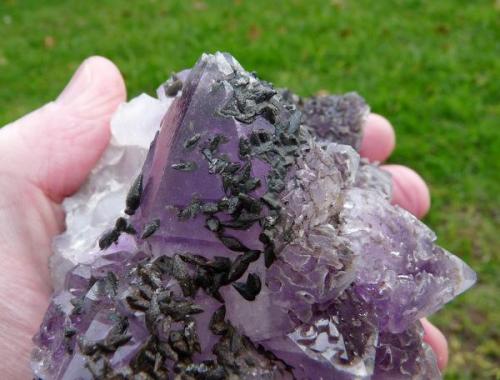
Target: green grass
[{"x": 431, "y": 67}]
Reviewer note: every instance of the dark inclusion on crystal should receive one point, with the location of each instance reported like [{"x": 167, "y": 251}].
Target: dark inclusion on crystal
[{"x": 258, "y": 246}]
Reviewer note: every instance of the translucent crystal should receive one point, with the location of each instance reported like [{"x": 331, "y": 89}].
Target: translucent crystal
[
  {"x": 93, "y": 208},
  {"x": 253, "y": 244}
]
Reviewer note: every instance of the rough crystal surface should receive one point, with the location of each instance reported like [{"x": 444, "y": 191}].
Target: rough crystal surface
[{"x": 254, "y": 243}]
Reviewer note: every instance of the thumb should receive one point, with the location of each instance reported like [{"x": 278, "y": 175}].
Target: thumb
[{"x": 56, "y": 146}]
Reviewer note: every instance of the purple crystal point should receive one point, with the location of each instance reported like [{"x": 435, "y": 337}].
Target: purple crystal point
[{"x": 257, "y": 245}]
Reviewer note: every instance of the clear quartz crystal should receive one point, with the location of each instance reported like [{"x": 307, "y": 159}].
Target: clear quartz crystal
[
  {"x": 259, "y": 245},
  {"x": 95, "y": 206}
]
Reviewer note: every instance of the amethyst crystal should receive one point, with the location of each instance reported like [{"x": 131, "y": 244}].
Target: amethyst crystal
[{"x": 254, "y": 244}]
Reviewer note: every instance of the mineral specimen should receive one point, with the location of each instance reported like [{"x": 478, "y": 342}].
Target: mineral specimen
[{"x": 253, "y": 244}]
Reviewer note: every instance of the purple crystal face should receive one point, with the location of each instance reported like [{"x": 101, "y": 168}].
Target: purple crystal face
[{"x": 257, "y": 246}]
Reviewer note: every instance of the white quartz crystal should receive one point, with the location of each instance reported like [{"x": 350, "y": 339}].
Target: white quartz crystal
[{"x": 101, "y": 199}]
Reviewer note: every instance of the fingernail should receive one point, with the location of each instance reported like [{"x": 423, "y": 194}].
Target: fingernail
[
  {"x": 80, "y": 80},
  {"x": 435, "y": 338}
]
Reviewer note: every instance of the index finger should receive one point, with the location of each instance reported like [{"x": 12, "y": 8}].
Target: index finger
[{"x": 379, "y": 138}]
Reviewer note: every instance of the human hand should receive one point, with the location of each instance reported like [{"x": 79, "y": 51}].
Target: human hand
[{"x": 47, "y": 155}]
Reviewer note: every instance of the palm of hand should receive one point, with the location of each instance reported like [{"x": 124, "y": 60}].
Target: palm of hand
[{"x": 47, "y": 155}]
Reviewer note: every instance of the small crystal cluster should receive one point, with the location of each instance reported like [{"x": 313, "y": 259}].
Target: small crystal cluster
[{"x": 254, "y": 243}]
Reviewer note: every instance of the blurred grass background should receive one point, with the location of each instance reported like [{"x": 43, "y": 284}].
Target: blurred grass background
[{"x": 431, "y": 67}]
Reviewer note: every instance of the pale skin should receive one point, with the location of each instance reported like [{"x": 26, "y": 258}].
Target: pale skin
[{"x": 47, "y": 155}]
